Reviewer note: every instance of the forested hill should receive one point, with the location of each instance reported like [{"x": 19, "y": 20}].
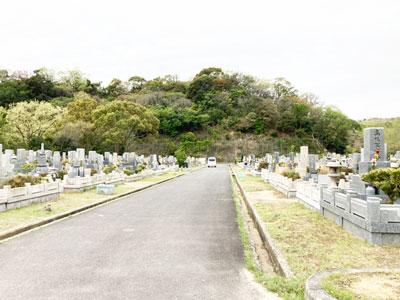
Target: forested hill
[{"x": 216, "y": 113}]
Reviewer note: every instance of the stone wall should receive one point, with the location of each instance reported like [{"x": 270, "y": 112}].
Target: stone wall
[
  {"x": 11, "y": 198},
  {"x": 368, "y": 219},
  {"x": 283, "y": 184}
]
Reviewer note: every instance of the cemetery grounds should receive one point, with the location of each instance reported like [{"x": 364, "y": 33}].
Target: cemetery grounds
[{"x": 311, "y": 243}]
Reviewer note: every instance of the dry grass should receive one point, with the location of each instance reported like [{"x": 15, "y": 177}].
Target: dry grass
[
  {"x": 364, "y": 286},
  {"x": 251, "y": 183},
  {"x": 254, "y": 184},
  {"x": 25, "y": 215},
  {"x": 311, "y": 242}
]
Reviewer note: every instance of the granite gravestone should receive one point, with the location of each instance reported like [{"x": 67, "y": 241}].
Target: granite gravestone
[
  {"x": 374, "y": 144},
  {"x": 276, "y": 157},
  {"x": 303, "y": 161},
  {"x": 21, "y": 160},
  {"x": 42, "y": 166},
  {"x": 107, "y": 158},
  {"x": 80, "y": 154},
  {"x": 356, "y": 158},
  {"x": 93, "y": 164},
  {"x": 57, "y": 160},
  {"x": 312, "y": 160}
]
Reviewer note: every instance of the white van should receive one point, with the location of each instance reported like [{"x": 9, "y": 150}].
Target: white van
[{"x": 212, "y": 162}]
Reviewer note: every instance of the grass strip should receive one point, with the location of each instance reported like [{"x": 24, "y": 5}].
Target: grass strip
[{"x": 289, "y": 289}]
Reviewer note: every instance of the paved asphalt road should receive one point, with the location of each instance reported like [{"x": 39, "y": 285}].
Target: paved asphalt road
[{"x": 178, "y": 240}]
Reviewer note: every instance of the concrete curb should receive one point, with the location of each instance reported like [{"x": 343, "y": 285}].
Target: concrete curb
[
  {"x": 314, "y": 291},
  {"x": 20, "y": 229},
  {"x": 280, "y": 264}
]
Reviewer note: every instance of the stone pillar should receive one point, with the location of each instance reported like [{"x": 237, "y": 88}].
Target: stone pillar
[{"x": 373, "y": 209}]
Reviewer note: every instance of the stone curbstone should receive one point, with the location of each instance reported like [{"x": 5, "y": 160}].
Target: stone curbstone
[
  {"x": 313, "y": 287},
  {"x": 280, "y": 264},
  {"x": 23, "y": 228}
]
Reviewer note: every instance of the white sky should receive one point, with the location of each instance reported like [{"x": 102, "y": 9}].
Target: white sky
[{"x": 345, "y": 52}]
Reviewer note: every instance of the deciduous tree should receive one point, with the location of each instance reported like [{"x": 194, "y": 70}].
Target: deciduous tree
[
  {"x": 32, "y": 120},
  {"x": 119, "y": 123}
]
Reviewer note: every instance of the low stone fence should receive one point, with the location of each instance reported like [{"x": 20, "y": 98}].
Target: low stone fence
[
  {"x": 80, "y": 184},
  {"x": 309, "y": 193},
  {"x": 365, "y": 217},
  {"x": 11, "y": 198},
  {"x": 283, "y": 184},
  {"x": 368, "y": 219}
]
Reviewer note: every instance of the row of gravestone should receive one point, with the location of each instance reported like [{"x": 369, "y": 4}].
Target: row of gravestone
[
  {"x": 74, "y": 162},
  {"x": 373, "y": 155}
]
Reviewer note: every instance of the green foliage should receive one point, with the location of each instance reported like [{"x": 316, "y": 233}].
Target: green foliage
[
  {"x": 388, "y": 180},
  {"x": 181, "y": 156},
  {"x": 191, "y": 145},
  {"x": 140, "y": 169},
  {"x": 215, "y": 102},
  {"x": 81, "y": 110},
  {"x": 332, "y": 128},
  {"x": 108, "y": 169},
  {"x": 29, "y": 167},
  {"x": 30, "y": 120},
  {"x": 291, "y": 174},
  {"x": 128, "y": 172},
  {"x": 20, "y": 180},
  {"x": 61, "y": 174},
  {"x": 119, "y": 123},
  {"x": 62, "y": 101}
]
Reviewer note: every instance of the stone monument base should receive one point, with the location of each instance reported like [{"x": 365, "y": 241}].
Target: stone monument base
[{"x": 365, "y": 166}]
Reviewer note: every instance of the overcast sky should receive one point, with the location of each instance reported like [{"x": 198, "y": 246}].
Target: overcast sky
[{"x": 345, "y": 52}]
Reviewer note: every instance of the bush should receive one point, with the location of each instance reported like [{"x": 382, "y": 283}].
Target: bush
[
  {"x": 108, "y": 170},
  {"x": 93, "y": 172},
  {"x": 388, "y": 180},
  {"x": 180, "y": 156},
  {"x": 128, "y": 172},
  {"x": 20, "y": 180},
  {"x": 263, "y": 165},
  {"x": 29, "y": 167},
  {"x": 291, "y": 174},
  {"x": 140, "y": 169},
  {"x": 61, "y": 173},
  {"x": 346, "y": 170}
]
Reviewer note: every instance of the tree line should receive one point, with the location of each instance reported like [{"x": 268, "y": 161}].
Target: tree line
[{"x": 68, "y": 110}]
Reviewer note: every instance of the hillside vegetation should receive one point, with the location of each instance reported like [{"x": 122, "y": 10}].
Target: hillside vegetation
[{"x": 217, "y": 113}]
